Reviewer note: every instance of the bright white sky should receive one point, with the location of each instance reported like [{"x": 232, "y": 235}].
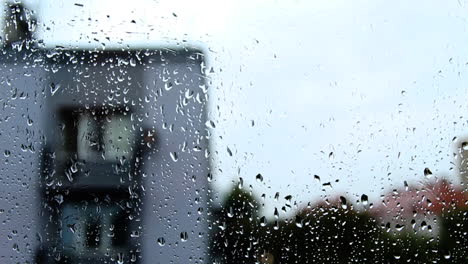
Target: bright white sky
[{"x": 364, "y": 79}]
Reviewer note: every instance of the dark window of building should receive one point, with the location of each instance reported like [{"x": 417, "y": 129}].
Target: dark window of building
[
  {"x": 93, "y": 232},
  {"x": 120, "y": 232}
]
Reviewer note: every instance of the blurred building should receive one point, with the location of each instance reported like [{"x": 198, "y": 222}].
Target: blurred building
[
  {"x": 419, "y": 208},
  {"x": 112, "y": 150}
]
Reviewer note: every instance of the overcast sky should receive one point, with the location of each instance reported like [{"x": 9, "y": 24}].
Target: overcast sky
[{"x": 380, "y": 84}]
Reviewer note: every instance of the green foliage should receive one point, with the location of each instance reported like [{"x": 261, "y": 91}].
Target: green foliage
[
  {"x": 236, "y": 235},
  {"x": 409, "y": 247},
  {"x": 328, "y": 234},
  {"x": 454, "y": 236}
]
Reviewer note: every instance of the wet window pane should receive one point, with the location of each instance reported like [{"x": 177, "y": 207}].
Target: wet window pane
[{"x": 324, "y": 131}]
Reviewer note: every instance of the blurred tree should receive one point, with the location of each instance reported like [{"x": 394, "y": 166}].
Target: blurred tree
[
  {"x": 409, "y": 247},
  {"x": 236, "y": 235},
  {"x": 454, "y": 236},
  {"x": 327, "y": 234},
  {"x": 332, "y": 232}
]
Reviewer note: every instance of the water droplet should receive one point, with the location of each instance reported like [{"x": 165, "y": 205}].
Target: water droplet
[
  {"x": 120, "y": 258},
  {"x": 276, "y": 225},
  {"x": 427, "y": 172},
  {"x": 74, "y": 168},
  {"x": 241, "y": 183},
  {"x": 230, "y": 212},
  {"x": 259, "y": 177},
  {"x": 364, "y": 199},
  {"x": 161, "y": 241},
  {"x": 263, "y": 221},
  {"x": 343, "y": 202},
  {"x": 72, "y": 228},
  {"x": 132, "y": 60},
  {"x": 299, "y": 221},
  {"x": 447, "y": 255},
  {"x": 465, "y": 145},
  {"x": 168, "y": 86},
  {"x": 423, "y": 225},
  {"x": 54, "y": 88},
  {"x": 183, "y": 236},
  {"x": 317, "y": 178},
  {"x": 229, "y": 151},
  {"x": 59, "y": 198},
  {"x": 210, "y": 124},
  {"x": 174, "y": 156}
]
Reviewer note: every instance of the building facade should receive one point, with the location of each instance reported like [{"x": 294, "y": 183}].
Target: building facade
[{"x": 110, "y": 149}]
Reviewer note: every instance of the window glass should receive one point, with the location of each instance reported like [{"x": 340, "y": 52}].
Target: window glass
[
  {"x": 104, "y": 137},
  {"x": 234, "y": 131}
]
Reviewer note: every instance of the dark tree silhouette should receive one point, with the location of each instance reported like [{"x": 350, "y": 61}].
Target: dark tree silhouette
[
  {"x": 236, "y": 233},
  {"x": 454, "y": 236},
  {"x": 330, "y": 233}
]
